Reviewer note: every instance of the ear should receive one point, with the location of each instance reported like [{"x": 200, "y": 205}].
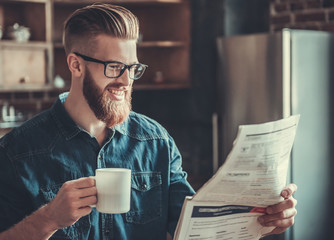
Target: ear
[{"x": 74, "y": 65}]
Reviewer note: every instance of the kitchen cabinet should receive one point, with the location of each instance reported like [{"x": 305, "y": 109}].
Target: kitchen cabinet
[
  {"x": 29, "y": 63},
  {"x": 164, "y": 43}
]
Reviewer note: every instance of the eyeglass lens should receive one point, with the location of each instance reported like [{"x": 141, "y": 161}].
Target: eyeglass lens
[{"x": 116, "y": 69}]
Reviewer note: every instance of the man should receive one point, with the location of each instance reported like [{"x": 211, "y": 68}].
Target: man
[{"x": 45, "y": 189}]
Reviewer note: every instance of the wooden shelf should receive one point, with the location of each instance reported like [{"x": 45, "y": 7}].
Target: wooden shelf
[
  {"x": 7, "y": 125},
  {"x": 146, "y": 44},
  {"x": 29, "y": 88},
  {"x": 161, "y": 86},
  {"x": 24, "y": 1},
  {"x": 29, "y": 44},
  {"x": 83, "y": 2},
  {"x": 58, "y": 45},
  {"x": 161, "y": 44},
  {"x": 49, "y": 88}
]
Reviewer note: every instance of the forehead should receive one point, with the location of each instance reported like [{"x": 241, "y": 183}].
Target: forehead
[{"x": 109, "y": 48}]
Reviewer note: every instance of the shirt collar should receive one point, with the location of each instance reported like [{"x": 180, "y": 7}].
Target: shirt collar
[
  {"x": 67, "y": 126},
  {"x": 63, "y": 120}
]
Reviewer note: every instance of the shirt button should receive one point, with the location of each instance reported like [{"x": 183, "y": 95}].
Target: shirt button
[
  {"x": 143, "y": 187},
  {"x": 100, "y": 157}
]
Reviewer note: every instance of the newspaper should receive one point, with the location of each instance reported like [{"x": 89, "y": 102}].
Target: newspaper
[{"x": 252, "y": 177}]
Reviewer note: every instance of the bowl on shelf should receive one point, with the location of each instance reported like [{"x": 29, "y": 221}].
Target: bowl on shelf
[{"x": 18, "y": 33}]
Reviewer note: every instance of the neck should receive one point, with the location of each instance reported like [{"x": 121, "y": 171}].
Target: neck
[{"x": 80, "y": 112}]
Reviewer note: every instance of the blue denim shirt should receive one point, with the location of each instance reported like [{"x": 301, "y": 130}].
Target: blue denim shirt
[{"x": 50, "y": 149}]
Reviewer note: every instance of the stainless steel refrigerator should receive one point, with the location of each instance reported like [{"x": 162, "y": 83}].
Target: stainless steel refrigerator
[{"x": 265, "y": 77}]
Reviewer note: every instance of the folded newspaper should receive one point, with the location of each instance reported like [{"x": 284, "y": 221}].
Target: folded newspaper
[{"x": 252, "y": 177}]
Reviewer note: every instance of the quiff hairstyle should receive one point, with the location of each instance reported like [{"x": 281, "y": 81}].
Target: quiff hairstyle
[{"x": 83, "y": 25}]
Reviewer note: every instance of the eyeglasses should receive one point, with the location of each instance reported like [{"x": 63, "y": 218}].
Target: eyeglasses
[{"x": 115, "y": 69}]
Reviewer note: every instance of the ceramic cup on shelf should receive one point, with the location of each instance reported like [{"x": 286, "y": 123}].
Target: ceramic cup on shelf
[{"x": 19, "y": 33}]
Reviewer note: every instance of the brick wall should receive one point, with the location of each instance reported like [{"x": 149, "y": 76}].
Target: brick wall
[{"x": 302, "y": 14}]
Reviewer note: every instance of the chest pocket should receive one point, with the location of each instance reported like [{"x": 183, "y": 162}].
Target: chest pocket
[
  {"x": 146, "y": 193},
  {"x": 78, "y": 229}
]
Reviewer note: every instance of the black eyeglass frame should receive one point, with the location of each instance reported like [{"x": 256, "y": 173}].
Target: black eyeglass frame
[{"x": 105, "y": 63}]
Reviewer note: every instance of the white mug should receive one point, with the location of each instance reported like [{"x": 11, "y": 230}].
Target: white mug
[{"x": 113, "y": 190}]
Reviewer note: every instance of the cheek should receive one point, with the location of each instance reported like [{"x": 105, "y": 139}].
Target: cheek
[
  {"x": 129, "y": 93},
  {"x": 101, "y": 84},
  {"x": 97, "y": 75}
]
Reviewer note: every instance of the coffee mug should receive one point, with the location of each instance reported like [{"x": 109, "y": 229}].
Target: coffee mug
[{"x": 113, "y": 190}]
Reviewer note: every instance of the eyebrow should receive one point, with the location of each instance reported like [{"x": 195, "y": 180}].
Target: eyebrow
[
  {"x": 136, "y": 62},
  {"x": 102, "y": 61},
  {"x": 114, "y": 60}
]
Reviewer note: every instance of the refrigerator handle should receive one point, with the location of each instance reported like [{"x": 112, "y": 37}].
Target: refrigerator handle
[{"x": 215, "y": 161}]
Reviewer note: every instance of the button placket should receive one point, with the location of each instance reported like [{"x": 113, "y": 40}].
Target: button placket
[
  {"x": 101, "y": 163},
  {"x": 100, "y": 160},
  {"x": 108, "y": 226}
]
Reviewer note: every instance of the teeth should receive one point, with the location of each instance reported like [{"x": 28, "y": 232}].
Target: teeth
[{"x": 116, "y": 92}]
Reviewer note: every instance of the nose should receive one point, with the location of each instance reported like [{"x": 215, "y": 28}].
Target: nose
[{"x": 125, "y": 79}]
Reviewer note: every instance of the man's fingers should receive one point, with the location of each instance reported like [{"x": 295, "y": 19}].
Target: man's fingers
[
  {"x": 282, "y": 219},
  {"x": 281, "y": 215},
  {"x": 86, "y": 192},
  {"x": 289, "y": 190},
  {"x": 87, "y": 201},
  {"x": 84, "y": 182},
  {"x": 280, "y": 207}
]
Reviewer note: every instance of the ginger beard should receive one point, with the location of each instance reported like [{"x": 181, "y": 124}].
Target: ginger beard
[{"x": 109, "y": 111}]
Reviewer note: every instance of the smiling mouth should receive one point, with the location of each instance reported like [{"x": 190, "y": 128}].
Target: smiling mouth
[
  {"x": 117, "y": 95},
  {"x": 116, "y": 92}
]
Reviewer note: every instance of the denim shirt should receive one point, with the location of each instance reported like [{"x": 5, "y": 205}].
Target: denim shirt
[{"x": 50, "y": 149}]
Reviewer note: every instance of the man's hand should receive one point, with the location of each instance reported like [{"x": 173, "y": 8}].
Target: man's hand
[
  {"x": 72, "y": 202},
  {"x": 281, "y": 216}
]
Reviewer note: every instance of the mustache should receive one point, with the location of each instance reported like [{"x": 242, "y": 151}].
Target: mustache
[{"x": 120, "y": 86}]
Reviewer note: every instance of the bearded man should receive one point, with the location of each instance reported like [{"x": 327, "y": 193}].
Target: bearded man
[{"x": 46, "y": 191}]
